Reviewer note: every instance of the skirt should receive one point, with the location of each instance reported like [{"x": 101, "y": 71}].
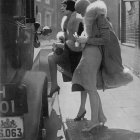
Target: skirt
[{"x": 85, "y": 74}]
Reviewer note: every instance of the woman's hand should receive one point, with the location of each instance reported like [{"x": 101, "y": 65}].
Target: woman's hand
[{"x": 82, "y": 39}]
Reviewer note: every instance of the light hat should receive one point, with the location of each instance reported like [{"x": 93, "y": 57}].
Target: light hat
[{"x": 81, "y": 5}]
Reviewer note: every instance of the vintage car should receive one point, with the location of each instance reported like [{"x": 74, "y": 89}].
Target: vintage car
[{"x": 23, "y": 91}]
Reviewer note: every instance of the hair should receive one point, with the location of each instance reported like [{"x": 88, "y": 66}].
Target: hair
[
  {"x": 99, "y": 6},
  {"x": 70, "y": 5}
]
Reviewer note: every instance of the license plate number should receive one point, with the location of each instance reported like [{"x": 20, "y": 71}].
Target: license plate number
[{"x": 11, "y": 127}]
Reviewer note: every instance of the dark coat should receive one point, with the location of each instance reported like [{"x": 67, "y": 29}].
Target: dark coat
[
  {"x": 111, "y": 74},
  {"x": 70, "y": 26}
]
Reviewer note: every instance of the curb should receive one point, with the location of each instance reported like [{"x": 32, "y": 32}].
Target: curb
[{"x": 66, "y": 132}]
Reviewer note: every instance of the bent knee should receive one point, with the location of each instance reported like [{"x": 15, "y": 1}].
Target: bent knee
[{"x": 51, "y": 56}]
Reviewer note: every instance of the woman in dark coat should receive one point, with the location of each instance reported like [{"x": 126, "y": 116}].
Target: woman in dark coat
[
  {"x": 100, "y": 66},
  {"x": 68, "y": 60}
]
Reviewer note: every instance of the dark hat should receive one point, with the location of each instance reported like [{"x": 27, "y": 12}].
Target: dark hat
[{"x": 70, "y": 5}]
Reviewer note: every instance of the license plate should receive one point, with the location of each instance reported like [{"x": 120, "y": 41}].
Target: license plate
[
  {"x": 11, "y": 128},
  {"x": 13, "y": 100}
]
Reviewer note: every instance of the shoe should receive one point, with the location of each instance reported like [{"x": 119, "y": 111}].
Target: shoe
[
  {"x": 80, "y": 117},
  {"x": 103, "y": 126},
  {"x": 55, "y": 90},
  {"x": 103, "y": 121},
  {"x": 92, "y": 129}
]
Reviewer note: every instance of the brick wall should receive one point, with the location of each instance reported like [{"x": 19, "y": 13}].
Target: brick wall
[
  {"x": 132, "y": 24},
  {"x": 130, "y": 34}
]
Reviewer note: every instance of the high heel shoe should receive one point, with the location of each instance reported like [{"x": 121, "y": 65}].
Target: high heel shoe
[
  {"x": 103, "y": 121},
  {"x": 80, "y": 117},
  {"x": 92, "y": 129},
  {"x": 102, "y": 125},
  {"x": 53, "y": 91}
]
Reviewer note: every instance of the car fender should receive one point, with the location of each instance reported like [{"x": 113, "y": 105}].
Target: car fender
[{"x": 34, "y": 82}]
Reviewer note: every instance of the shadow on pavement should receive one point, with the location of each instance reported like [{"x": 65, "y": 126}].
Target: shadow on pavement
[
  {"x": 116, "y": 134},
  {"x": 75, "y": 132},
  {"x": 52, "y": 125}
]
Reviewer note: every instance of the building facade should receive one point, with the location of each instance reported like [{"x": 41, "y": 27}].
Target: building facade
[
  {"x": 130, "y": 33},
  {"x": 48, "y": 14},
  {"x": 125, "y": 18}
]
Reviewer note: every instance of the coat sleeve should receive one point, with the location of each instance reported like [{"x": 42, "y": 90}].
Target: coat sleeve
[{"x": 104, "y": 32}]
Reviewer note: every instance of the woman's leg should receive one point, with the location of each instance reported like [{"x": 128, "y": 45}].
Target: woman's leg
[
  {"x": 102, "y": 118},
  {"x": 62, "y": 61},
  {"x": 95, "y": 104},
  {"x": 82, "y": 110},
  {"x": 83, "y": 102},
  {"x": 97, "y": 115}
]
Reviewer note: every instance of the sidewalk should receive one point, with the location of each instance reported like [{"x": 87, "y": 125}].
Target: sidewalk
[
  {"x": 131, "y": 58},
  {"x": 120, "y": 105}
]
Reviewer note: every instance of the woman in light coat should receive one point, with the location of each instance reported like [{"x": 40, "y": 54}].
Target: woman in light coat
[{"x": 100, "y": 66}]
